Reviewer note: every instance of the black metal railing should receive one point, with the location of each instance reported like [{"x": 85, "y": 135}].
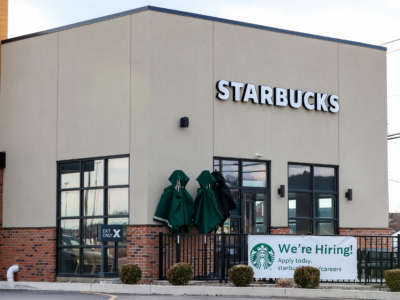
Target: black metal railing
[
  {"x": 212, "y": 255},
  {"x": 375, "y": 254}
]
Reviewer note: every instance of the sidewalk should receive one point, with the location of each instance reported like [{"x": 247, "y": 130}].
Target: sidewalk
[{"x": 202, "y": 290}]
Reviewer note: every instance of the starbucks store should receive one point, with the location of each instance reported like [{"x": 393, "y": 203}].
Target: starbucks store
[{"x": 99, "y": 120}]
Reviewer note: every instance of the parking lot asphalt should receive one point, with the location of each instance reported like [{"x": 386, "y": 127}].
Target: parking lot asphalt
[{"x": 44, "y": 295}]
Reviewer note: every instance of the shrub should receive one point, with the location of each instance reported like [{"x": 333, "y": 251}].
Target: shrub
[
  {"x": 307, "y": 277},
  {"x": 130, "y": 274},
  {"x": 284, "y": 282},
  {"x": 241, "y": 275},
  {"x": 392, "y": 278},
  {"x": 180, "y": 274}
]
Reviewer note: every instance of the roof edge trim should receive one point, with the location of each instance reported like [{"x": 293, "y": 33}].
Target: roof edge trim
[{"x": 198, "y": 16}]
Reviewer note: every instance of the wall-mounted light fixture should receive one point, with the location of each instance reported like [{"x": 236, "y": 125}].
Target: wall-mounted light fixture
[
  {"x": 349, "y": 194},
  {"x": 281, "y": 191},
  {"x": 184, "y": 122},
  {"x": 2, "y": 160}
]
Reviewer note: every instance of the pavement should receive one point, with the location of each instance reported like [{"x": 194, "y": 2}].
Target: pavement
[
  {"x": 36, "y": 295},
  {"x": 112, "y": 291}
]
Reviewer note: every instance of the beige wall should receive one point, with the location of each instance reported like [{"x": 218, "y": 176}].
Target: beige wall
[
  {"x": 362, "y": 140},
  {"x": 93, "y": 98},
  {"x": 120, "y": 86},
  {"x": 172, "y": 71},
  {"x": 28, "y": 122}
]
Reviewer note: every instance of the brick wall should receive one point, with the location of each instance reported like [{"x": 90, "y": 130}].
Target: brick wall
[
  {"x": 143, "y": 247},
  {"x": 33, "y": 249},
  {"x": 343, "y": 231},
  {"x": 365, "y": 231},
  {"x": 280, "y": 230},
  {"x": 1, "y": 197}
]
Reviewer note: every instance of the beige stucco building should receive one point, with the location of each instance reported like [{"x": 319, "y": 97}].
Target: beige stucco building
[{"x": 116, "y": 88}]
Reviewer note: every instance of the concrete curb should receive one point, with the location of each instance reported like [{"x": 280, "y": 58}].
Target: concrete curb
[{"x": 147, "y": 289}]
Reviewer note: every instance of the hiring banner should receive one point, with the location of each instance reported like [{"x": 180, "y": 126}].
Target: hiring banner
[{"x": 277, "y": 256}]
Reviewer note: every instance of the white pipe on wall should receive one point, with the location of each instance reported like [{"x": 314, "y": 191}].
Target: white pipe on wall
[{"x": 10, "y": 272}]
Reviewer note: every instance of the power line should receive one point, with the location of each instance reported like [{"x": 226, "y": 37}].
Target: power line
[
  {"x": 389, "y": 42},
  {"x": 393, "y": 51},
  {"x": 393, "y": 136}
]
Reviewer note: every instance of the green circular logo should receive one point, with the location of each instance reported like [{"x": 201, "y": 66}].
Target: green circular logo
[{"x": 262, "y": 256}]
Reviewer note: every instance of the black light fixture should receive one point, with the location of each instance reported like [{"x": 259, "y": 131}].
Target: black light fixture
[
  {"x": 349, "y": 194},
  {"x": 2, "y": 160},
  {"x": 184, "y": 122},
  {"x": 281, "y": 190}
]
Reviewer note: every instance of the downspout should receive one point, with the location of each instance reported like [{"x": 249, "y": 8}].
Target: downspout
[{"x": 10, "y": 272}]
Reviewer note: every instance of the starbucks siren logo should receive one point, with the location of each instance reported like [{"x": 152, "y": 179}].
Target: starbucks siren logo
[{"x": 262, "y": 256}]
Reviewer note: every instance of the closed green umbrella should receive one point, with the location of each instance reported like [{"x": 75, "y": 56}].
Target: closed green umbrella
[
  {"x": 176, "y": 204},
  {"x": 206, "y": 213}
]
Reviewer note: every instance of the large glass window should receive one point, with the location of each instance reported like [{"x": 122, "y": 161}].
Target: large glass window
[
  {"x": 312, "y": 199},
  {"x": 249, "y": 184},
  {"x": 90, "y": 192}
]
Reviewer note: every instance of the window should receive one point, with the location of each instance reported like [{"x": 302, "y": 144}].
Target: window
[
  {"x": 248, "y": 181},
  {"x": 90, "y": 192},
  {"x": 313, "y": 200}
]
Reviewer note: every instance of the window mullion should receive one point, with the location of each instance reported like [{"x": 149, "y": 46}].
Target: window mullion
[
  {"x": 242, "y": 198},
  {"x": 81, "y": 214},
  {"x": 105, "y": 191},
  {"x": 314, "y": 202}
]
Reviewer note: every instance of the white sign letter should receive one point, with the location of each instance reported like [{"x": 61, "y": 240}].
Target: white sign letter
[
  {"x": 236, "y": 89},
  {"x": 223, "y": 91},
  {"x": 250, "y": 93},
  {"x": 306, "y": 101},
  {"x": 320, "y": 99},
  {"x": 334, "y": 104},
  {"x": 116, "y": 233},
  {"x": 280, "y": 96},
  {"x": 295, "y": 98},
  {"x": 266, "y": 95}
]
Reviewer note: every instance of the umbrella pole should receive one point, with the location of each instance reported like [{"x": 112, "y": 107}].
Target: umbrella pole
[
  {"x": 178, "y": 249},
  {"x": 205, "y": 256}
]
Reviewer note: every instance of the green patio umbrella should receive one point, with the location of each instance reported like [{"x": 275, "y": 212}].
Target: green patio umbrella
[
  {"x": 206, "y": 213},
  {"x": 176, "y": 204}
]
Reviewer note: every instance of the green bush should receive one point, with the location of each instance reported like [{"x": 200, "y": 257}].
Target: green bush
[
  {"x": 241, "y": 275},
  {"x": 180, "y": 274},
  {"x": 130, "y": 274},
  {"x": 307, "y": 277},
  {"x": 392, "y": 278}
]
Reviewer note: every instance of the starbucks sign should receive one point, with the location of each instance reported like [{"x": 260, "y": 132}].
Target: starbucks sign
[
  {"x": 265, "y": 95},
  {"x": 261, "y": 256},
  {"x": 277, "y": 256}
]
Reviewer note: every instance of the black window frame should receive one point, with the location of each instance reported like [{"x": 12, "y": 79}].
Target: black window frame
[
  {"x": 242, "y": 189},
  {"x": 315, "y": 192},
  {"x": 104, "y": 217}
]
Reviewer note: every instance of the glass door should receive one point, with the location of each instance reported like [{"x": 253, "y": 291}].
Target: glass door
[
  {"x": 249, "y": 183},
  {"x": 254, "y": 218}
]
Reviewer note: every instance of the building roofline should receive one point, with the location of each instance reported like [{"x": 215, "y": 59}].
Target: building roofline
[{"x": 192, "y": 15}]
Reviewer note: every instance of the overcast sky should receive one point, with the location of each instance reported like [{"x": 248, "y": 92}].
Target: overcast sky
[{"x": 369, "y": 21}]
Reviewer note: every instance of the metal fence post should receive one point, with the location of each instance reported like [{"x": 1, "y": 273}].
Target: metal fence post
[
  {"x": 160, "y": 255},
  {"x": 222, "y": 260},
  {"x": 398, "y": 250},
  {"x": 205, "y": 256}
]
